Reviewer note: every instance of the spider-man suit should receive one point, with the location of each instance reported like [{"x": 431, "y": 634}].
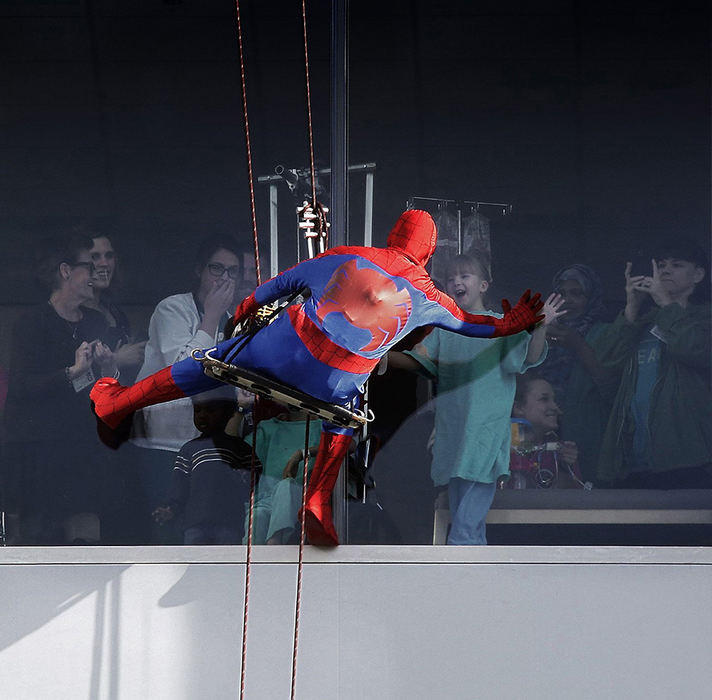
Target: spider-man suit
[{"x": 363, "y": 301}]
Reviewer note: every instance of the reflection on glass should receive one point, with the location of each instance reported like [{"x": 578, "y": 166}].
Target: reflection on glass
[{"x": 597, "y": 138}]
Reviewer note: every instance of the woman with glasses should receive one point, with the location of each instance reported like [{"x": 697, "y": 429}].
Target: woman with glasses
[
  {"x": 181, "y": 323},
  {"x": 58, "y": 350}
]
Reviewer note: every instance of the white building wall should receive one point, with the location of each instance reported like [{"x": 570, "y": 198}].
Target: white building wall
[{"x": 388, "y": 623}]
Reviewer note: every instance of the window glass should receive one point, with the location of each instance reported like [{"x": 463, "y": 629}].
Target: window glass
[
  {"x": 557, "y": 149},
  {"x": 565, "y": 150},
  {"x": 127, "y": 242}
]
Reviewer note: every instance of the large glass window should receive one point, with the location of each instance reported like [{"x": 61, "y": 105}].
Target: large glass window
[
  {"x": 562, "y": 148},
  {"x": 127, "y": 241},
  {"x": 557, "y": 148}
]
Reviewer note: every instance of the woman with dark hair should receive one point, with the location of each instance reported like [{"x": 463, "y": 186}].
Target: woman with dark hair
[
  {"x": 180, "y": 324},
  {"x": 476, "y": 379},
  {"x": 581, "y": 289},
  {"x": 584, "y": 388},
  {"x": 129, "y": 355},
  {"x": 58, "y": 350}
]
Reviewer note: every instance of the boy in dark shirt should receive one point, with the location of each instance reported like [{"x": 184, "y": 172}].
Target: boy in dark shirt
[{"x": 211, "y": 477}]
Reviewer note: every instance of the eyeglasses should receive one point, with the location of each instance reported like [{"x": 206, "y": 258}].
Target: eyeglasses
[{"x": 218, "y": 270}]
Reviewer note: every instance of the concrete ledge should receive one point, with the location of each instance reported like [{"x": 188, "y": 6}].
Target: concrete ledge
[
  {"x": 361, "y": 555},
  {"x": 599, "y": 516}
]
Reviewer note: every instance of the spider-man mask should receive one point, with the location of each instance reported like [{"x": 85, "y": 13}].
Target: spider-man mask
[{"x": 415, "y": 235}]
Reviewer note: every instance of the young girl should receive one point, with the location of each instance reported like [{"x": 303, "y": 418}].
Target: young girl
[
  {"x": 475, "y": 389},
  {"x": 540, "y": 460}
]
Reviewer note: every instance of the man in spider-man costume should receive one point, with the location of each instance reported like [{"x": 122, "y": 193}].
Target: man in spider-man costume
[{"x": 363, "y": 301}]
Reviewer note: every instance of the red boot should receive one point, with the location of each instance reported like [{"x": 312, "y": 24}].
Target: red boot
[
  {"x": 318, "y": 520},
  {"x": 114, "y": 405}
]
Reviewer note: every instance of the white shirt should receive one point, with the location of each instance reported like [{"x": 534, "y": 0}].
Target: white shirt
[{"x": 173, "y": 334}]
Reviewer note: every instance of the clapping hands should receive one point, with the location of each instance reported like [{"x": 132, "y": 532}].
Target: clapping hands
[
  {"x": 104, "y": 357},
  {"x": 89, "y": 353}
]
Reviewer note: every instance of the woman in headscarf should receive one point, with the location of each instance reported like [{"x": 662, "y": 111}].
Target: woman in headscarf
[{"x": 584, "y": 389}]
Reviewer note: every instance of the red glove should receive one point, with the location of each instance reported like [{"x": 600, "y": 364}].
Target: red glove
[
  {"x": 247, "y": 307},
  {"x": 523, "y": 316}
]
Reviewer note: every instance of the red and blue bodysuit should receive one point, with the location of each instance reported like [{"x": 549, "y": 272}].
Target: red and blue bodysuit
[{"x": 362, "y": 302}]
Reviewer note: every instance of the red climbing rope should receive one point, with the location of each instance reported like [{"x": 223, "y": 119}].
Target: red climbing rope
[
  {"x": 258, "y": 276},
  {"x": 300, "y": 566},
  {"x": 248, "y": 147},
  {"x": 321, "y": 223}
]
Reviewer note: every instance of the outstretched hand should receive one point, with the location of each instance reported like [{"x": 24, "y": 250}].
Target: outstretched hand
[
  {"x": 524, "y": 315},
  {"x": 552, "y": 308}
]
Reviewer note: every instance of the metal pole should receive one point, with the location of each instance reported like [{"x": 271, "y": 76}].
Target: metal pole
[
  {"x": 273, "y": 231},
  {"x": 339, "y": 122},
  {"x": 339, "y": 182},
  {"x": 459, "y": 230},
  {"x": 368, "y": 212},
  {"x": 299, "y": 239}
]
